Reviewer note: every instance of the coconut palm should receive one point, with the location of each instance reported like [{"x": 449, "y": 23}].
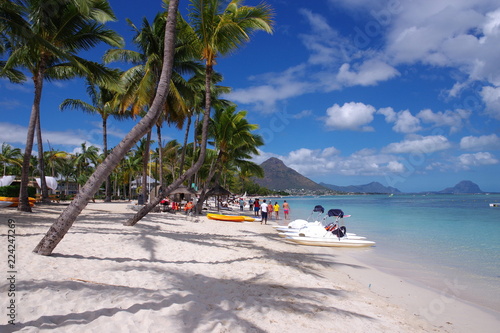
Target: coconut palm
[
  {"x": 45, "y": 38},
  {"x": 234, "y": 143},
  {"x": 10, "y": 156},
  {"x": 142, "y": 79},
  {"x": 220, "y": 30},
  {"x": 85, "y": 161},
  {"x": 103, "y": 104}
]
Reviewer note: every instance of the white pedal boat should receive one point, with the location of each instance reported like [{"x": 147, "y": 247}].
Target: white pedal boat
[{"x": 330, "y": 241}]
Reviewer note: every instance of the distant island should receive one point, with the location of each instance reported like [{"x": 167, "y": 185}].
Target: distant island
[{"x": 279, "y": 177}]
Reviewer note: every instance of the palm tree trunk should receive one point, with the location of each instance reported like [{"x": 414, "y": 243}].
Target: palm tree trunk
[
  {"x": 145, "y": 162},
  {"x": 160, "y": 157},
  {"x": 107, "y": 191},
  {"x": 41, "y": 162},
  {"x": 184, "y": 147},
  {"x": 196, "y": 166},
  {"x": 35, "y": 110},
  {"x": 61, "y": 226}
]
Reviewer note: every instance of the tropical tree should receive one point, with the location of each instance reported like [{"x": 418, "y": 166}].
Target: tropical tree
[
  {"x": 10, "y": 156},
  {"x": 84, "y": 162},
  {"x": 234, "y": 144},
  {"x": 220, "y": 30},
  {"x": 104, "y": 104},
  {"x": 142, "y": 79},
  {"x": 54, "y": 159},
  {"x": 45, "y": 37},
  {"x": 64, "y": 222}
]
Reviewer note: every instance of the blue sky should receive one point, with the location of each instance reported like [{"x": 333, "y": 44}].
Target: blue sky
[{"x": 403, "y": 92}]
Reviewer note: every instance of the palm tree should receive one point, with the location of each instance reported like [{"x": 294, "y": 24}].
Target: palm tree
[
  {"x": 142, "y": 79},
  {"x": 85, "y": 161},
  {"x": 46, "y": 37},
  {"x": 103, "y": 104},
  {"x": 220, "y": 30},
  {"x": 234, "y": 143},
  {"x": 64, "y": 222},
  {"x": 10, "y": 156}
]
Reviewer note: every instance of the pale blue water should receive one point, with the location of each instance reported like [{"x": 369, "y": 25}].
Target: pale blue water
[{"x": 444, "y": 237}]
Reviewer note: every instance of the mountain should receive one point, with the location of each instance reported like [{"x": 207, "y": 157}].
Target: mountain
[
  {"x": 373, "y": 187},
  {"x": 277, "y": 176},
  {"x": 464, "y": 187}
]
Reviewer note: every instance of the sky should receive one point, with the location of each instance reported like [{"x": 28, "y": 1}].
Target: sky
[{"x": 346, "y": 92}]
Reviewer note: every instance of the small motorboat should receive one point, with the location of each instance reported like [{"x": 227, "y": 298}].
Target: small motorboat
[{"x": 495, "y": 204}]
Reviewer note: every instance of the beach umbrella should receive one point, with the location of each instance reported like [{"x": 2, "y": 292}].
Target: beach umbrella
[{"x": 182, "y": 190}]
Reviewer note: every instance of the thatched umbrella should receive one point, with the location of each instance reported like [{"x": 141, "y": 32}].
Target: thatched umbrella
[
  {"x": 183, "y": 190},
  {"x": 217, "y": 191}
]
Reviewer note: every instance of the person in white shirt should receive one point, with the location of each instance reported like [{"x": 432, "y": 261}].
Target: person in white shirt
[{"x": 263, "y": 210}]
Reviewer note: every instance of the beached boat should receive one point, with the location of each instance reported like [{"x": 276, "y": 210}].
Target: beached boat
[
  {"x": 295, "y": 233},
  {"x": 5, "y": 203},
  {"x": 230, "y": 218},
  {"x": 330, "y": 241},
  {"x": 495, "y": 204},
  {"x": 14, "y": 201}
]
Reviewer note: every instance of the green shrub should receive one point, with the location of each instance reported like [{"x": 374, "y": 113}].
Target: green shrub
[{"x": 13, "y": 191}]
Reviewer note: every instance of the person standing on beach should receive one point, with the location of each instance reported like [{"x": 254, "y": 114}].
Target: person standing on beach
[
  {"x": 286, "y": 209},
  {"x": 250, "y": 203},
  {"x": 256, "y": 207},
  {"x": 242, "y": 203},
  {"x": 270, "y": 209},
  {"x": 277, "y": 210},
  {"x": 263, "y": 211}
]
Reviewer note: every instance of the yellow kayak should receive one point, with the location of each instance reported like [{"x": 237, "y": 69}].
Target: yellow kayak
[{"x": 231, "y": 218}]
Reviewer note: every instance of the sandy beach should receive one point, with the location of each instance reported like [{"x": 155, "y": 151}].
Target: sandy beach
[{"x": 173, "y": 273}]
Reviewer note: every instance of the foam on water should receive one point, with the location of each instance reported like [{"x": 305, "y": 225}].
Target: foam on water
[{"x": 432, "y": 239}]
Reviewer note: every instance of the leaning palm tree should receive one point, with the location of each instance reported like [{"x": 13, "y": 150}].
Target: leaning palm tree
[
  {"x": 103, "y": 104},
  {"x": 45, "y": 38},
  {"x": 64, "y": 222},
  {"x": 220, "y": 30},
  {"x": 142, "y": 79}
]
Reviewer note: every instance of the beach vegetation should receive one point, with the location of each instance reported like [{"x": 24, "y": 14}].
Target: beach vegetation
[
  {"x": 44, "y": 39},
  {"x": 61, "y": 226}
]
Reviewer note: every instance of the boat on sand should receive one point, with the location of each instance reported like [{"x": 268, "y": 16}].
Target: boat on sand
[{"x": 230, "y": 218}]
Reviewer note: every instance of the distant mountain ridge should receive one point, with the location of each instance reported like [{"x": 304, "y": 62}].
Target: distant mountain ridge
[
  {"x": 279, "y": 177},
  {"x": 464, "y": 187},
  {"x": 373, "y": 187}
]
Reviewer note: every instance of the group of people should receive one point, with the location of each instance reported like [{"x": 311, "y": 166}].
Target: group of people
[
  {"x": 175, "y": 206},
  {"x": 265, "y": 209}
]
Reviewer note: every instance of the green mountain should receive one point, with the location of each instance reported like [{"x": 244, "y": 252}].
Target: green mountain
[
  {"x": 464, "y": 187},
  {"x": 279, "y": 177},
  {"x": 373, "y": 187}
]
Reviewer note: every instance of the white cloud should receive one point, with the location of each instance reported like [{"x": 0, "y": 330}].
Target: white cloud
[
  {"x": 491, "y": 141},
  {"x": 491, "y": 97},
  {"x": 477, "y": 159},
  {"x": 16, "y": 135},
  {"x": 368, "y": 73},
  {"x": 419, "y": 145},
  {"x": 404, "y": 121},
  {"x": 350, "y": 116},
  {"x": 328, "y": 161},
  {"x": 452, "y": 119}
]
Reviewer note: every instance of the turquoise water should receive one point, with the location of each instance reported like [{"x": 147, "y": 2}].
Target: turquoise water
[{"x": 433, "y": 239}]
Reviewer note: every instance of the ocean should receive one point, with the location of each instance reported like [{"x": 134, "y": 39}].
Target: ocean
[{"x": 434, "y": 240}]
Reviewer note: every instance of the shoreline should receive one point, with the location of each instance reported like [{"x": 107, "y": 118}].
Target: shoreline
[{"x": 210, "y": 276}]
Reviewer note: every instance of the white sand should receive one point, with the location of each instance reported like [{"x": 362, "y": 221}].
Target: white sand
[{"x": 170, "y": 273}]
